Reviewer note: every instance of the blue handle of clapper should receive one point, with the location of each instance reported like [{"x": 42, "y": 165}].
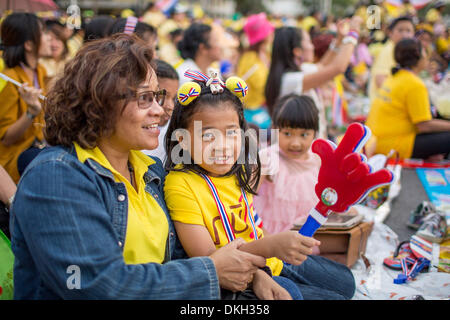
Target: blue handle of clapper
[{"x": 310, "y": 227}]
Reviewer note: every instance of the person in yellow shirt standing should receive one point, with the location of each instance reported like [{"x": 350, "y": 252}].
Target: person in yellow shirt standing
[
  {"x": 435, "y": 13},
  {"x": 253, "y": 67},
  {"x": 21, "y": 116},
  {"x": 400, "y": 115},
  {"x": 400, "y": 28}
]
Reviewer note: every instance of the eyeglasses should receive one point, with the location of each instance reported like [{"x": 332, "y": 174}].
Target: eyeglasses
[{"x": 145, "y": 99}]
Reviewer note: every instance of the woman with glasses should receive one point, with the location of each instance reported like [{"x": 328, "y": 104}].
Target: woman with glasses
[
  {"x": 89, "y": 219},
  {"x": 168, "y": 80}
]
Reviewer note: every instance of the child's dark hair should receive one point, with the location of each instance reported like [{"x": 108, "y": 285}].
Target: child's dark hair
[
  {"x": 16, "y": 29},
  {"x": 193, "y": 36},
  {"x": 396, "y": 21},
  {"x": 98, "y": 28},
  {"x": 284, "y": 42},
  {"x": 248, "y": 174},
  {"x": 141, "y": 28},
  {"x": 407, "y": 54},
  {"x": 294, "y": 111},
  {"x": 165, "y": 70}
]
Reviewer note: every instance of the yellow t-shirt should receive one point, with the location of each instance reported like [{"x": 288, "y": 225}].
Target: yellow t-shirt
[
  {"x": 433, "y": 15},
  {"x": 442, "y": 44},
  {"x": 382, "y": 65},
  {"x": 401, "y": 103},
  {"x": 254, "y": 72},
  {"x": 2, "y": 66},
  {"x": 190, "y": 201},
  {"x": 147, "y": 226},
  {"x": 12, "y": 107},
  {"x": 309, "y": 22}
]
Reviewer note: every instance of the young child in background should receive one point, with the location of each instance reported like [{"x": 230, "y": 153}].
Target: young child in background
[
  {"x": 209, "y": 193},
  {"x": 168, "y": 80},
  {"x": 290, "y": 169},
  {"x": 286, "y": 193}
]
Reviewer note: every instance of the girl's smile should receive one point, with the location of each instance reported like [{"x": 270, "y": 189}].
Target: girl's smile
[{"x": 215, "y": 142}]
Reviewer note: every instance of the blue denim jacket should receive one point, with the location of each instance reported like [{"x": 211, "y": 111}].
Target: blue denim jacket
[{"x": 68, "y": 226}]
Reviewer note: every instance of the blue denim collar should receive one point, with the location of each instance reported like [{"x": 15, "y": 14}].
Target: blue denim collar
[{"x": 149, "y": 176}]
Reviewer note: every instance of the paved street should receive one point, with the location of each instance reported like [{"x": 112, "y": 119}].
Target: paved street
[{"x": 411, "y": 194}]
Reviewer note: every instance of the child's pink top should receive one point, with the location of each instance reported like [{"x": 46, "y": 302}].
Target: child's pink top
[{"x": 290, "y": 195}]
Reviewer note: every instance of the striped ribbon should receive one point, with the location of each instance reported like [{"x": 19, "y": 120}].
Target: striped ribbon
[
  {"x": 421, "y": 247},
  {"x": 417, "y": 266},
  {"x": 249, "y": 214},
  {"x": 223, "y": 213},
  {"x": 191, "y": 93},
  {"x": 241, "y": 89},
  {"x": 196, "y": 75},
  {"x": 130, "y": 25}
]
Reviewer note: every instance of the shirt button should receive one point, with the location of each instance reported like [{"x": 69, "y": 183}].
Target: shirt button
[
  {"x": 156, "y": 196},
  {"x": 120, "y": 243},
  {"x": 121, "y": 197}
]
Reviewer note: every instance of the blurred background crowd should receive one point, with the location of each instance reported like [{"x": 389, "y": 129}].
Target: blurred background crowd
[{"x": 163, "y": 24}]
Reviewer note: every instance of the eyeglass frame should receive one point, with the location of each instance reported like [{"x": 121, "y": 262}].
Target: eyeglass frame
[
  {"x": 154, "y": 97},
  {"x": 136, "y": 96}
]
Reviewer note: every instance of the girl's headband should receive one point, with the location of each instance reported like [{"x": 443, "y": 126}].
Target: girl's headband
[{"x": 189, "y": 91}]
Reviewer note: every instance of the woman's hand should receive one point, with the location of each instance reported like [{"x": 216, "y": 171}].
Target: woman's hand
[
  {"x": 235, "y": 268},
  {"x": 291, "y": 247},
  {"x": 31, "y": 97},
  {"x": 266, "y": 288},
  {"x": 355, "y": 23},
  {"x": 343, "y": 28}
]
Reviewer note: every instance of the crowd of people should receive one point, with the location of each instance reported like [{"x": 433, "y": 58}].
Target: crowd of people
[{"x": 104, "y": 166}]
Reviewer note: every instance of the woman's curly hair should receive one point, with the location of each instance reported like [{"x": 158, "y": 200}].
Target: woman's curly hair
[{"x": 95, "y": 87}]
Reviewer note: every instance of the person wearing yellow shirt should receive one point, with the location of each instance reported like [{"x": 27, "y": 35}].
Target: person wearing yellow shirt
[
  {"x": 54, "y": 64},
  {"x": 435, "y": 13},
  {"x": 400, "y": 116},
  {"x": 153, "y": 15},
  {"x": 311, "y": 21},
  {"x": 400, "y": 28},
  {"x": 21, "y": 116},
  {"x": 253, "y": 68},
  {"x": 91, "y": 202},
  {"x": 443, "y": 43},
  {"x": 209, "y": 193}
]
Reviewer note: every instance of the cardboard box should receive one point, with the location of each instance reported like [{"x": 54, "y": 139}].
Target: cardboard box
[{"x": 344, "y": 246}]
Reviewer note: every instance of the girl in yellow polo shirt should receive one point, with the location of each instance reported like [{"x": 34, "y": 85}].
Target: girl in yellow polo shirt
[
  {"x": 209, "y": 193},
  {"x": 400, "y": 115}
]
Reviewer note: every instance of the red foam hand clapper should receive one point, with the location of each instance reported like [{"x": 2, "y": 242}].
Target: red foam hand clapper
[{"x": 344, "y": 177}]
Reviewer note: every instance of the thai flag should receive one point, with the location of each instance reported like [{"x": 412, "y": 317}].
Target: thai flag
[
  {"x": 419, "y": 4},
  {"x": 395, "y": 3},
  {"x": 166, "y": 6},
  {"x": 337, "y": 109}
]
